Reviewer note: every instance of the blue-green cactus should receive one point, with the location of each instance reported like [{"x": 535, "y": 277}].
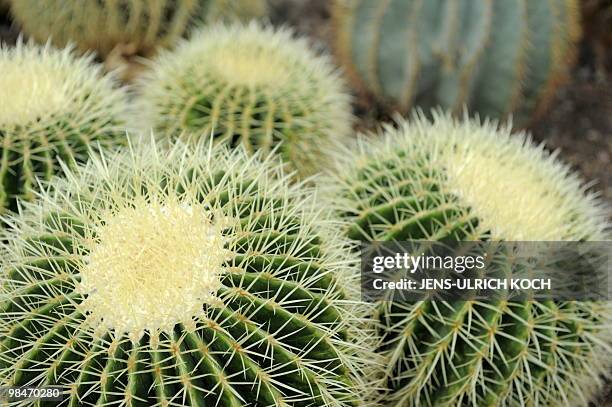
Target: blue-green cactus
[{"x": 498, "y": 58}]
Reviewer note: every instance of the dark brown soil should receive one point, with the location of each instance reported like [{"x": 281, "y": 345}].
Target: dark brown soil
[
  {"x": 8, "y": 33},
  {"x": 580, "y": 125}
]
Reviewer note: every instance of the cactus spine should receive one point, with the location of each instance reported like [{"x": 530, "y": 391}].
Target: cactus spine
[
  {"x": 53, "y": 105},
  {"x": 189, "y": 276},
  {"x": 498, "y": 58},
  {"x": 446, "y": 179},
  {"x": 250, "y": 85},
  {"x": 141, "y": 25}
]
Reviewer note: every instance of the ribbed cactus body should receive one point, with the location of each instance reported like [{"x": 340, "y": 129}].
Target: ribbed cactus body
[
  {"x": 53, "y": 106},
  {"x": 143, "y": 25},
  {"x": 498, "y": 58},
  {"x": 448, "y": 180},
  {"x": 251, "y": 85},
  {"x": 190, "y": 276}
]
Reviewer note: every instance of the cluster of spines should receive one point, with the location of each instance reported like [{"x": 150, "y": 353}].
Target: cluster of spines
[
  {"x": 144, "y": 26},
  {"x": 251, "y": 85},
  {"x": 497, "y": 58},
  {"x": 285, "y": 331},
  {"x": 481, "y": 352},
  {"x": 61, "y": 107},
  {"x": 495, "y": 352}
]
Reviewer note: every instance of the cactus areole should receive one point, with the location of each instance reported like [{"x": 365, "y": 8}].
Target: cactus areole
[{"x": 152, "y": 266}]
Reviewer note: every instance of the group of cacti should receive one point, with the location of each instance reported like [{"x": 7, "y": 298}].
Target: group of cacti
[{"x": 161, "y": 245}]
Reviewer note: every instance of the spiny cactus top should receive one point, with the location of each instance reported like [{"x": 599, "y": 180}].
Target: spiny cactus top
[
  {"x": 464, "y": 181},
  {"x": 496, "y": 57},
  {"x": 194, "y": 276},
  {"x": 144, "y": 25},
  {"x": 250, "y": 85},
  {"x": 53, "y": 105}
]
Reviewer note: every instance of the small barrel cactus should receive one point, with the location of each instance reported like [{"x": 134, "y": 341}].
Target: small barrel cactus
[
  {"x": 53, "y": 105},
  {"x": 448, "y": 180},
  {"x": 250, "y": 85},
  {"x": 142, "y": 25},
  {"x": 191, "y": 276},
  {"x": 496, "y": 57}
]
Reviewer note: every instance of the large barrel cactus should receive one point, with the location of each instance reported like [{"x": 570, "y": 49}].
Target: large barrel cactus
[
  {"x": 142, "y": 26},
  {"x": 252, "y": 85},
  {"x": 496, "y": 57},
  {"x": 447, "y": 180},
  {"x": 53, "y": 105},
  {"x": 191, "y": 276}
]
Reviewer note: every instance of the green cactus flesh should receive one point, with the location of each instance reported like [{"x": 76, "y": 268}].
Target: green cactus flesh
[
  {"x": 498, "y": 58},
  {"x": 53, "y": 106},
  {"x": 252, "y": 85},
  {"x": 466, "y": 181},
  {"x": 145, "y": 25},
  {"x": 191, "y": 276}
]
